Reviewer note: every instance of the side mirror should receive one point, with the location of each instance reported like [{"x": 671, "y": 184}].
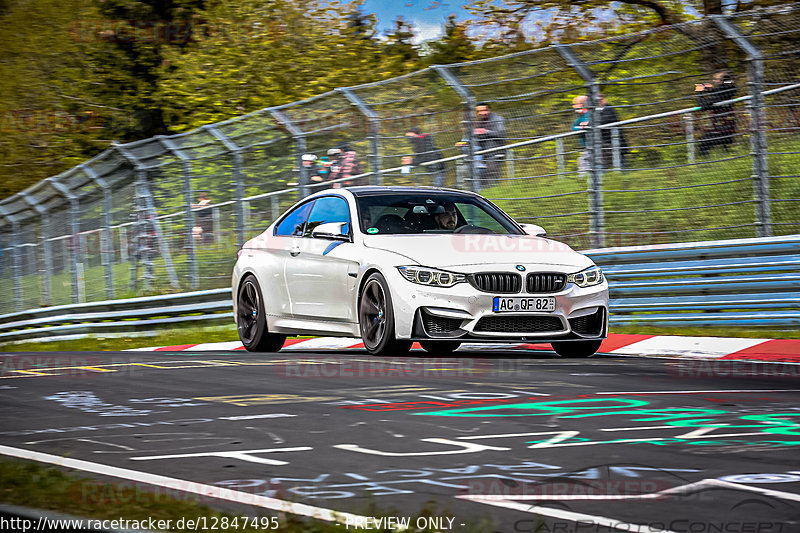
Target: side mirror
[
  {"x": 335, "y": 231},
  {"x": 533, "y": 229}
]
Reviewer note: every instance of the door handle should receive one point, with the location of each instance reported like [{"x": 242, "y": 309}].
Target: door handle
[{"x": 294, "y": 252}]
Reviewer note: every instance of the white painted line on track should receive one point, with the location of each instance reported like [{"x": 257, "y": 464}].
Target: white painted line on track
[
  {"x": 275, "y": 504},
  {"x": 324, "y": 343},
  {"x": 688, "y": 346},
  {"x": 213, "y": 346},
  {"x": 610, "y": 523},
  {"x": 766, "y": 492}
]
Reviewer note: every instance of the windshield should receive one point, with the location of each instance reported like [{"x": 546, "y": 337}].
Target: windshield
[{"x": 402, "y": 214}]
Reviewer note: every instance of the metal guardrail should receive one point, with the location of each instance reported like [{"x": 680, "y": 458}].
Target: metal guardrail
[
  {"x": 118, "y": 316},
  {"x": 742, "y": 282}
]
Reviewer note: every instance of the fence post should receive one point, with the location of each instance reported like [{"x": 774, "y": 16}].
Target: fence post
[
  {"x": 106, "y": 240},
  {"x": 146, "y": 209},
  {"x": 300, "y": 148},
  {"x": 468, "y": 99},
  {"x": 275, "y": 207},
  {"x": 188, "y": 194},
  {"x": 688, "y": 120},
  {"x": 758, "y": 135},
  {"x": 142, "y": 251},
  {"x": 560, "y": 159},
  {"x": 374, "y": 132},
  {"x": 13, "y": 247},
  {"x": 236, "y": 155},
  {"x": 615, "y": 154},
  {"x": 75, "y": 229},
  {"x": 47, "y": 267},
  {"x": 594, "y": 145}
]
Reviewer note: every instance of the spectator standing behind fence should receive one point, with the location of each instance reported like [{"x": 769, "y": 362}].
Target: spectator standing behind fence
[
  {"x": 490, "y": 132},
  {"x": 608, "y": 115},
  {"x": 314, "y": 173},
  {"x": 344, "y": 165},
  {"x": 204, "y": 227},
  {"x": 581, "y": 123},
  {"x": 723, "y": 121},
  {"x": 425, "y": 150}
]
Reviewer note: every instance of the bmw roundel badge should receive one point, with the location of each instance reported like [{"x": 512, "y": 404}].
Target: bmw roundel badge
[{"x": 521, "y": 268}]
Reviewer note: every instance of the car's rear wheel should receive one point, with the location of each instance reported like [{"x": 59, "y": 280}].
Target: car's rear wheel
[
  {"x": 252, "y": 320},
  {"x": 576, "y": 348},
  {"x": 440, "y": 347},
  {"x": 376, "y": 319}
]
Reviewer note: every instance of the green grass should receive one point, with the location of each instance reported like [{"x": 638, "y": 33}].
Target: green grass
[{"x": 52, "y": 489}]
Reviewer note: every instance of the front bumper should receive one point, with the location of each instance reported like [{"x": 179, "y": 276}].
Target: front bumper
[{"x": 464, "y": 313}]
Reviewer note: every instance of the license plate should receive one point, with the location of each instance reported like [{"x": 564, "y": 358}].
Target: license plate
[{"x": 502, "y": 304}]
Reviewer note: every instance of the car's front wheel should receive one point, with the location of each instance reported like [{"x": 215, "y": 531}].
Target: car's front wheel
[
  {"x": 576, "y": 348},
  {"x": 440, "y": 347},
  {"x": 252, "y": 320},
  {"x": 376, "y": 319}
]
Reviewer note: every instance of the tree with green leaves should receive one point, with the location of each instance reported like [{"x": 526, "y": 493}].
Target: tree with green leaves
[
  {"x": 49, "y": 117},
  {"x": 399, "y": 53},
  {"x": 262, "y": 53},
  {"x": 454, "y": 46},
  {"x": 569, "y": 20}
]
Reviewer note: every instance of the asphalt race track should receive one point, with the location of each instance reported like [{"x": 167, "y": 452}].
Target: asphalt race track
[{"x": 508, "y": 441}]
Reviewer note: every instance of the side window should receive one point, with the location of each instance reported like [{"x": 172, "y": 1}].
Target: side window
[
  {"x": 295, "y": 222},
  {"x": 328, "y": 209}
]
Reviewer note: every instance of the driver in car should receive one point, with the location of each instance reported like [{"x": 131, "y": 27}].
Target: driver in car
[{"x": 446, "y": 217}]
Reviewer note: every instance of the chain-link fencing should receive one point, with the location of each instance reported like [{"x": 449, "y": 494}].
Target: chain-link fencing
[{"x": 682, "y": 133}]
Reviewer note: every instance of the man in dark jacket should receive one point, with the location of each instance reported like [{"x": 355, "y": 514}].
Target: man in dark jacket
[
  {"x": 490, "y": 132},
  {"x": 425, "y": 150},
  {"x": 723, "y": 120},
  {"x": 609, "y": 115}
]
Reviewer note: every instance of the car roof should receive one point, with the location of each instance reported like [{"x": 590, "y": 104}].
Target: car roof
[{"x": 372, "y": 190}]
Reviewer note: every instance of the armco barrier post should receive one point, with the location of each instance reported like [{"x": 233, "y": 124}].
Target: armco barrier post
[
  {"x": 236, "y": 155},
  {"x": 758, "y": 136},
  {"x": 594, "y": 145},
  {"x": 300, "y": 147},
  {"x": 374, "y": 131},
  {"x": 468, "y": 99},
  {"x": 106, "y": 246},
  {"x": 75, "y": 229},
  {"x": 188, "y": 193}
]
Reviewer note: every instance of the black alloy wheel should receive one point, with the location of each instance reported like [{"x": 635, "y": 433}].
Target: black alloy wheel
[
  {"x": 252, "y": 320},
  {"x": 376, "y": 319}
]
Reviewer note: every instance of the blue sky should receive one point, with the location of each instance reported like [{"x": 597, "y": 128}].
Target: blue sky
[{"x": 427, "y": 15}]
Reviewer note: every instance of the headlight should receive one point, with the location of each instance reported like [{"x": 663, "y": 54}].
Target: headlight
[
  {"x": 587, "y": 278},
  {"x": 431, "y": 276}
]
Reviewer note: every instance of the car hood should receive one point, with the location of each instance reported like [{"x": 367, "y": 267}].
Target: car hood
[{"x": 465, "y": 250}]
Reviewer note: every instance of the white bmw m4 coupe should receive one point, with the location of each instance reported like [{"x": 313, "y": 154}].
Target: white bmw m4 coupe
[{"x": 394, "y": 265}]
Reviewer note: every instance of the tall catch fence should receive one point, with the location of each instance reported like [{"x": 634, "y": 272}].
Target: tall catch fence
[{"x": 167, "y": 214}]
